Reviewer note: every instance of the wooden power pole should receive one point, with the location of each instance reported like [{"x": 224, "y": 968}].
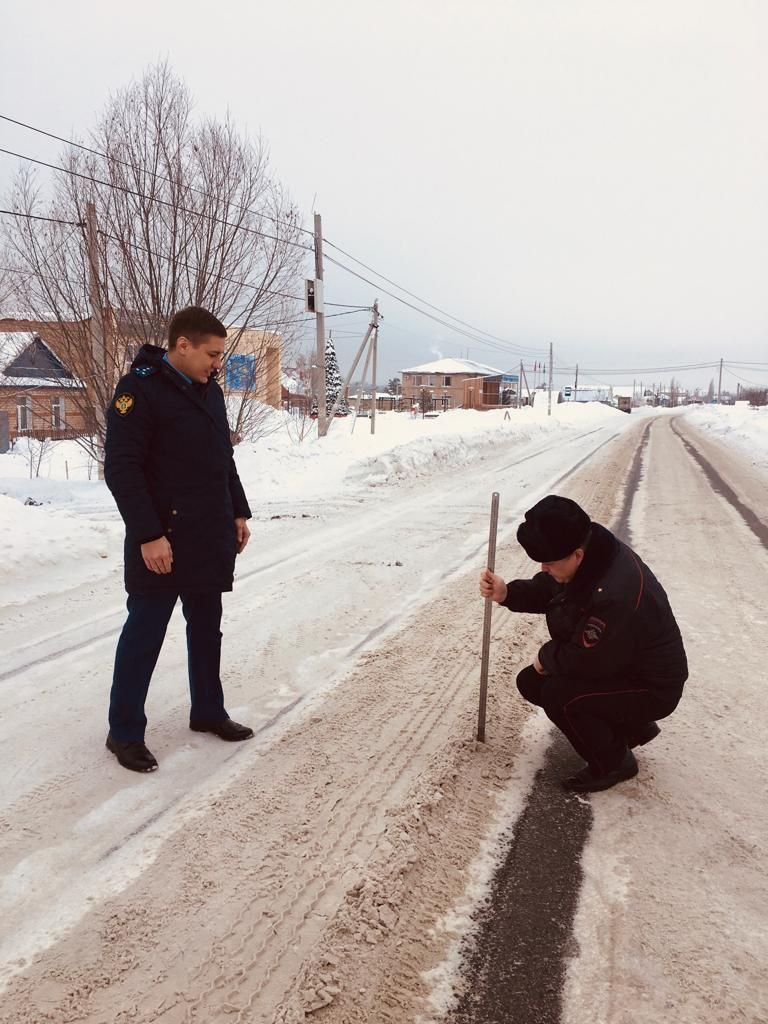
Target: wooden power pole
[
  {"x": 720, "y": 382},
  {"x": 98, "y": 383},
  {"x": 322, "y": 416}
]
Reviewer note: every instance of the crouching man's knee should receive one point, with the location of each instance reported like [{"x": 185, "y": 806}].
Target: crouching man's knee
[{"x": 529, "y": 683}]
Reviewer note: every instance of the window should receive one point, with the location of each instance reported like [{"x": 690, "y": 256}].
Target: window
[
  {"x": 446, "y": 382},
  {"x": 417, "y": 380},
  {"x": 431, "y": 382},
  {"x": 23, "y": 413},
  {"x": 57, "y": 413}
]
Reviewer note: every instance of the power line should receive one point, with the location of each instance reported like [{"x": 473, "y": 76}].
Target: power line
[
  {"x": 430, "y": 316},
  {"x": 155, "y": 199},
  {"x": 51, "y": 220},
  {"x": 137, "y": 167},
  {"x": 642, "y": 369},
  {"x": 199, "y": 270},
  {"x": 476, "y": 330}
]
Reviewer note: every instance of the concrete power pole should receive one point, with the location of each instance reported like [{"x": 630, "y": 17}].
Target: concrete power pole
[
  {"x": 374, "y": 346},
  {"x": 549, "y": 389},
  {"x": 98, "y": 384},
  {"x": 322, "y": 417},
  {"x": 720, "y": 382}
]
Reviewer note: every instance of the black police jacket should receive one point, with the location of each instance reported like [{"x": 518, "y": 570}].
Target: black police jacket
[
  {"x": 612, "y": 621},
  {"x": 169, "y": 465}
]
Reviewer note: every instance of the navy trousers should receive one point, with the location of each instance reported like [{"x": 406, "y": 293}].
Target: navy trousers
[
  {"x": 139, "y": 648},
  {"x": 598, "y": 717}
]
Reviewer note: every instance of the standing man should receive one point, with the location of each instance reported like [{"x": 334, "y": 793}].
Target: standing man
[
  {"x": 169, "y": 465},
  {"x": 616, "y": 661}
]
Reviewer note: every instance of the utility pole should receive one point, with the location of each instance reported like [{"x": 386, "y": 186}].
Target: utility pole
[
  {"x": 527, "y": 388},
  {"x": 576, "y": 384},
  {"x": 549, "y": 389},
  {"x": 322, "y": 417},
  {"x": 361, "y": 387},
  {"x": 520, "y": 387},
  {"x": 374, "y": 345},
  {"x": 720, "y": 382},
  {"x": 98, "y": 383},
  {"x": 356, "y": 360}
]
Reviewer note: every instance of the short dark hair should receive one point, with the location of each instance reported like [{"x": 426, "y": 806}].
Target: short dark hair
[{"x": 194, "y": 323}]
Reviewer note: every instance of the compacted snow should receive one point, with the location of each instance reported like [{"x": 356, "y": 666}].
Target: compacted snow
[{"x": 336, "y": 861}]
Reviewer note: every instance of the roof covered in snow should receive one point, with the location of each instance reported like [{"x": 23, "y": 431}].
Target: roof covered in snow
[
  {"x": 455, "y": 366},
  {"x": 45, "y": 369}
]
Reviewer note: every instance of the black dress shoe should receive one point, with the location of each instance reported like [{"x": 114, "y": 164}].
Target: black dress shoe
[
  {"x": 586, "y": 781},
  {"x": 132, "y": 754},
  {"x": 642, "y": 734},
  {"x": 226, "y": 730}
]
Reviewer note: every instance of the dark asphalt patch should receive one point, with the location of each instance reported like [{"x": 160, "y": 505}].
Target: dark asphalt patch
[
  {"x": 516, "y": 967},
  {"x": 516, "y": 961}
]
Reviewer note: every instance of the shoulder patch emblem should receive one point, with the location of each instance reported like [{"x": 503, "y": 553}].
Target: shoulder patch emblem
[
  {"x": 124, "y": 403},
  {"x": 593, "y": 632}
]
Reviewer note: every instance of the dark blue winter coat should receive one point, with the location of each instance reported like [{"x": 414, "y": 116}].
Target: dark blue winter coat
[
  {"x": 612, "y": 621},
  {"x": 169, "y": 465}
]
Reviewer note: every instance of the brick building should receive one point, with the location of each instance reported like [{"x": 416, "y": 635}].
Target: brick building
[
  {"x": 445, "y": 379},
  {"x": 39, "y": 394}
]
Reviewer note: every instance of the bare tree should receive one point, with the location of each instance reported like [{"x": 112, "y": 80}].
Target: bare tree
[
  {"x": 36, "y": 450},
  {"x": 188, "y": 213},
  {"x": 7, "y": 293},
  {"x": 756, "y": 397}
]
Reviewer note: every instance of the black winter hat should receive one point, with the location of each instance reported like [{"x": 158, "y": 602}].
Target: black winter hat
[{"x": 553, "y": 529}]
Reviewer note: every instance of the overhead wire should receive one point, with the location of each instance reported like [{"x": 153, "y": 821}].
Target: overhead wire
[
  {"x": 50, "y": 220},
  {"x": 154, "y": 199},
  {"x": 482, "y": 338},
  {"x": 142, "y": 170},
  {"x": 135, "y": 167},
  {"x": 430, "y": 316}
]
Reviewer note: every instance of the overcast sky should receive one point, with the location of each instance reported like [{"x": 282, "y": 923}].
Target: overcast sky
[{"x": 588, "y": 172}]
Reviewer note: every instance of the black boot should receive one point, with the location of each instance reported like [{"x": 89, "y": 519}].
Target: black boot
[
  {"x": 226, "y": 730},
  {"x": 132, "y": 754},
  {"x": 586, "y": 781},
  {"x": 639, "y": 735}
]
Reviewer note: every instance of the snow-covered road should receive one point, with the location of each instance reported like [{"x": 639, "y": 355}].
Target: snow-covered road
[
  {"x": 322, "y": 581},
  {"x": 328, "y": 863}
]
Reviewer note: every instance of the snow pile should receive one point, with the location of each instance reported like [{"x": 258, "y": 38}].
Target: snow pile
[
  {"x": 45, "y": 550},
  {"x": 74, "y": 537},
  {"x": 402, "y": 448},
  {"x": 745, "y": 428}
]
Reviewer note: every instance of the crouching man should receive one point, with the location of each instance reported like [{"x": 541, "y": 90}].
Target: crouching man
[{"x": 616, "y": 661}]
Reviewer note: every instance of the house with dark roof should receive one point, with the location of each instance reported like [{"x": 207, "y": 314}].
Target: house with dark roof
[{"x": 39, "y": 394}]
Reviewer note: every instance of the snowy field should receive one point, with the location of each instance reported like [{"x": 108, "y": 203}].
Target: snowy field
[{"x": 350, "y": 646}]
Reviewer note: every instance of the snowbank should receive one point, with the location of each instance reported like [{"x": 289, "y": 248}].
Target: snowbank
[
  {"x": 44, "y": 550},
  {"x": 71, "y": 533},
  {"x": 745, "y": 428},
  {"x": 402, "y": 448}
]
